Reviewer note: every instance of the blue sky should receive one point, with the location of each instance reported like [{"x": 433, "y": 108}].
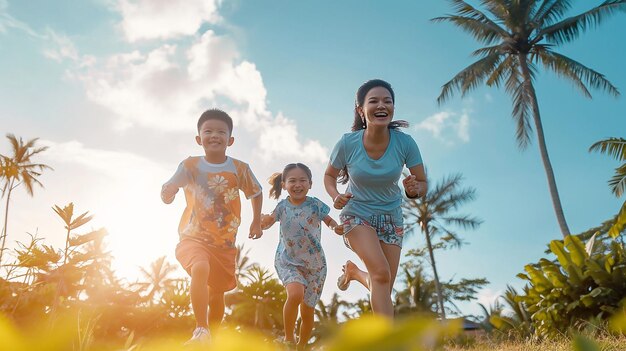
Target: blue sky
[{"x": 114, "y": 88}]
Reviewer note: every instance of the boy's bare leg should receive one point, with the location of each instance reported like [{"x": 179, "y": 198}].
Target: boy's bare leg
[
  {"x": 295, "y": 295},
  {"x": 307, "y": 315},
  {"x": 200, "y": 292},
  {"x": 216, "y": 308}
]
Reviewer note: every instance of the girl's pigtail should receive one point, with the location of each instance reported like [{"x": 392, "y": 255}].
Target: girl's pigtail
[{"x": 276, "y": 182}]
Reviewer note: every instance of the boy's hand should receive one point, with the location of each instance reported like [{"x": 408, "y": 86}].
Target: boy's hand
[
  {"x": 168, "y": 192},
  {"x": 255, "y": 230}
]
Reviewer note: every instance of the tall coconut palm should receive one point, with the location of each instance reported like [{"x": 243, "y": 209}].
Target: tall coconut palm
[
  {"x": 518, "y": 35},
  {"x": 19, "y": 169},
  {"x": 615, "y": 147},
  {"x": 434, "y": 214}
]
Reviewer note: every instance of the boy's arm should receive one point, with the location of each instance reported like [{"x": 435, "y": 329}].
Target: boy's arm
[
  {"x": 168, "y": 192},
  {"x": 170, "y": 188},
  {"x": 255, "y": 226}
]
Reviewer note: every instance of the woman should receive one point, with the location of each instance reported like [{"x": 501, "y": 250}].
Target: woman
[{"x": 370, "y": 159}]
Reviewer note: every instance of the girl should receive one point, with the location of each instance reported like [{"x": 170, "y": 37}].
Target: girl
[
  {"x": 300, "y": 260},
  {"x": 370, "y": 160}
]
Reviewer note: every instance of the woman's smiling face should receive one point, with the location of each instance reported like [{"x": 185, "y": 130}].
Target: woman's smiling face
[{"x": 377, "y": 107}]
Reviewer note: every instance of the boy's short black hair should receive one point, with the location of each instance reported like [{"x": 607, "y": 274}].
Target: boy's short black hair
[{"x": 218, "y": 114}]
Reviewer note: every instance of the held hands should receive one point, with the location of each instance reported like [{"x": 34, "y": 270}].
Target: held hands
[
  {"x": 338, "y": 229},
  {"x": 168, "y": 192},
  {"x": 412, "y": 186},
  {"x": 255, "y": 229},
  {"x": 341, "y": 200}
]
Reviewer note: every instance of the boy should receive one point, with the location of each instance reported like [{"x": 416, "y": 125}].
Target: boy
[{"x": 209, "y": 223}]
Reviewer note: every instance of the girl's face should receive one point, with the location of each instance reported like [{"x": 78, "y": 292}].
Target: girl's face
[
  {"x": 297, "y": 184},
  {"x": 378, "y": 108}
]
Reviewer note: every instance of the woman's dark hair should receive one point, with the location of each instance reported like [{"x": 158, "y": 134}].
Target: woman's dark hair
[
  {"x": 277, "y": 178},
  {"x": 359, "y": 122}
]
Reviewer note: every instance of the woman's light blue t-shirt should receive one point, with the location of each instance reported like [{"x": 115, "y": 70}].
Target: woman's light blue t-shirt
[{"x": 374, "y": 183}]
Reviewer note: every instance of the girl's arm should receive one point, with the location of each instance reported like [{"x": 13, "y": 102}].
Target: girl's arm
[
  {"x": 267, "y": 220},
  {"x": 332, "y": 224},
  {"x": 330, "y": 183}
]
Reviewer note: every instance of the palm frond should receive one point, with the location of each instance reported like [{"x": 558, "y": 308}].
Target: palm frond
[
  {"x": 614, "y": 147},
  {"x": 550, "y": 11},
  {"x": 499, "y": 73},
  {"x": 570, "y": 28},
  {"x": 473, "y": 21},
  {"x": 522, "y": 109},
  {"x": 577, "y": 73},
  {"x": 618, "y": 182},
  {"x": 463, "y": 221},
  {"x": 498, "y": 8},
  {"x": 469, "y": 78}
]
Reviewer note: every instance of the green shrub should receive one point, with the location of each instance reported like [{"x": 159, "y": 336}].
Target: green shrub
[{"x": 577, "y": 287}]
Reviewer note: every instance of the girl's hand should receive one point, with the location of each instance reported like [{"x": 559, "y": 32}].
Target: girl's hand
[
  {"x": 341, "y": 200},
  {"x": 412, "y": 186}
]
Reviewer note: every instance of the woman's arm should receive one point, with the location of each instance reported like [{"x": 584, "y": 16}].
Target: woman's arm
[
  {"x": 330, "y": 183},
  {"x": 415, "y": 184}
]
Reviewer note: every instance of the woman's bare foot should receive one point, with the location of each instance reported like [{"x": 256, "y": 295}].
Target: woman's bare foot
[{"x": 349, "y": 270}]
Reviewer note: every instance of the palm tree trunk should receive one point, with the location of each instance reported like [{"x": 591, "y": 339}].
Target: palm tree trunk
[
  {"x": 547, "y": 165},
  {"x": 6, "y": 218},
  {"x": 436, "y": 276}
]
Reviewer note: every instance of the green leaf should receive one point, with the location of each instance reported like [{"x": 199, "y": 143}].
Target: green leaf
[{"x": 576, "y": 249}]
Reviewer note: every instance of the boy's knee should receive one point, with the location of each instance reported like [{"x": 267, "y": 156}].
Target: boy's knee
[{"x": 200, "y": 269}]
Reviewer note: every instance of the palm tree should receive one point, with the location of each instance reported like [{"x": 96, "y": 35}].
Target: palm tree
[
  {"x": 615, "y": 147},
  {"x": 158, "y": 278},
  {"x": 433, "y": 214},
  {"x": 520, "y": 34},
  {"x": 19, "y": 169}
]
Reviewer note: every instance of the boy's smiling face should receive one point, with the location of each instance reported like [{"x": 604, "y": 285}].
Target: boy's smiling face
[{"x": 214, "y": 137}]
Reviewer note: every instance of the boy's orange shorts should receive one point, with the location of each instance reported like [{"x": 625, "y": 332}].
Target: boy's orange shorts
[{"x": 220, "y": 259}]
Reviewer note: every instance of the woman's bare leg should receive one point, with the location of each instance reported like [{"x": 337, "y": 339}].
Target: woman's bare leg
[{"x": 365, "y": 243}]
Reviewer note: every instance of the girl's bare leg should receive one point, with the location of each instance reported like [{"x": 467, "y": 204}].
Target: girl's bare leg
[
  {"x": 295, "y": 295},
  {"x": 307, "y": 314},
  {"x": 200, "y": 293}
]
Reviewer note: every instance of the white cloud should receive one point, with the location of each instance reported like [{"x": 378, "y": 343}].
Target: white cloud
[
  {"x": 448, "y": 127},
  {"x": 166, "y": 91},
  {"x": 114, "y": 164},
  {"x": 7, "y": 21},
  {"x": 165, "y": 19},
  {"x": 62, "y": 47}
]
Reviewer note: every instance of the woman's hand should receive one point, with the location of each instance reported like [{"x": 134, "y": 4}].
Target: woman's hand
[
  {"x": 341, "y": 200},
  {"x": 412, "y": 186}
]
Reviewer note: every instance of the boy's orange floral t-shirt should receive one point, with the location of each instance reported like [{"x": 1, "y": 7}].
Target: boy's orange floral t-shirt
[{"x": 213, "y": 211}]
